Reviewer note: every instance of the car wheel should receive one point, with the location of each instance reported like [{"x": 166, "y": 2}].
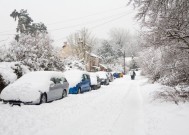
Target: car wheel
[
  {"x": 64, "y": 94},
  {"x": 43, "y": 99},
  {"x": 90, "y": 88},
  {"x": 79, "y": 91}
]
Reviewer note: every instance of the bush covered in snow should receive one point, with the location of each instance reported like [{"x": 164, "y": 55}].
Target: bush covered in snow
[
  {"x": 165, "y": 57},
  {"x": 74, "y": 63},
  {"x": 179, "y": 93},
  {"x": 166, "y": 65},
  {"x": 35, "y": 52},
  {"x": 11, "y": 71}
]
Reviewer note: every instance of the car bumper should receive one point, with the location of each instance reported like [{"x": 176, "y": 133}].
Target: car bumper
[
  {"x": 16, "y": 102},
  {"x": 73, "y": 90}
]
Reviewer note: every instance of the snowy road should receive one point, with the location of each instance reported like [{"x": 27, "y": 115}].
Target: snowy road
[
  {"x": 111, "y": 110},
  {"x": 117, "y": 109}
]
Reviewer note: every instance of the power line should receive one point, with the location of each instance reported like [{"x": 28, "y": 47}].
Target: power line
[
  {"x": 114, "y": 19},
  {"x": 77, "y": 18},
  {"x": 90, "y": 22}
]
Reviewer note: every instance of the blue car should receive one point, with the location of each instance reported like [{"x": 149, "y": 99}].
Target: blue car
[
  {"x": 79, "y": 81},
  {"x": 116, "y": 75}
]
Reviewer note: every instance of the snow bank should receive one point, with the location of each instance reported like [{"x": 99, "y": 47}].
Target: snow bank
[
  {"x": 74, "y": 76},
  {"x": 163, "y": 118},
  {"x": 29, "y": 86}
]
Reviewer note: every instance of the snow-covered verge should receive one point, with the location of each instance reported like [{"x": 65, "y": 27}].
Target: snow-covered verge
[
  {"x": 11, "y": 71},
  {"x": 161, "y": 117}
]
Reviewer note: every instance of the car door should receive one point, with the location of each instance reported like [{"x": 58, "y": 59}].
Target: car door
[
  {"x": 59, "y": 88},
  {"x": 83, "y": 83},
  {"x": 65, "y": 84},
  {"x": 52, "y": 89},
  {"x": 55, "y": 89},
  {"x": 88, "y": 82}
]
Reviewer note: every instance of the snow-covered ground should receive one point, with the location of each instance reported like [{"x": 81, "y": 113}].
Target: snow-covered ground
[{"x": 125, "y": 107}]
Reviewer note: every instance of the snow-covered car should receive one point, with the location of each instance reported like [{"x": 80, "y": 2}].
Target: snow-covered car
[
  {"x": 110, "y": 76},
  {"x": 103, "y": 77},
  {"x": 79, "y": 81},
  {"x": 95, "y": 81},
  {"x": 36, "y": 88}
]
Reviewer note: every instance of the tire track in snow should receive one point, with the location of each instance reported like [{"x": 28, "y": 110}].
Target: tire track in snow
[{"x": 131, "y": 119}]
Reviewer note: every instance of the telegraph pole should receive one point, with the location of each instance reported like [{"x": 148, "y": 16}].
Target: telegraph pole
[{"x": 124, "y": 62}]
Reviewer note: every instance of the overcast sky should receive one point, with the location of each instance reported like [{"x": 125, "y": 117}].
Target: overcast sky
[{"x": 63, "y": 17}]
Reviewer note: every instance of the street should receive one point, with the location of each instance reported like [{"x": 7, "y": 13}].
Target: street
[{"x": 116, "y": 109}]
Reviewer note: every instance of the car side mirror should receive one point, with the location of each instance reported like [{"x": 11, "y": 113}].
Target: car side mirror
[{"x": 52, "y": 84}]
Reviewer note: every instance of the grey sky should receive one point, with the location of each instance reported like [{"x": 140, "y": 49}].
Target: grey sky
[{"x": 63, "y": 17}]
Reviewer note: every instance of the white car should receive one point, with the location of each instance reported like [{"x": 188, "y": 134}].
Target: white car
[
  {"x": 103, "y": 77},
  {"x": 36, "y": 88},
  {"x": 95, "y": 81}
]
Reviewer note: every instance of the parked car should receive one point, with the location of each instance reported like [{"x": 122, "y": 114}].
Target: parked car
[
  {"x": 79, "y": 81},
  {"x": 103, "y": 77},
  {"x": 95, "y": 81},
  {"x": 116, "y": 75},
  {"x": 36, "y": 88},
  {"x": 110, "y": 76},
  {"x": 120, "y": 74}
]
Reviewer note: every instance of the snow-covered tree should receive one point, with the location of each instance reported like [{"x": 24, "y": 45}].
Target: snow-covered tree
[
  {"x": 120, "y": 41},
  {"x": 107, "y": 53},
  {"x": 35, "y": 52},
  {"x": 166, "y": 39},
  {"x": 81, "y": 42},
  {"x": 25, "y": 25},
  {"x": 33, "y": 46}
]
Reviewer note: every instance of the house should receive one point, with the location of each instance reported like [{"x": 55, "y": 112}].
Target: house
[
  {"x": 66, "y": 51},
  {"x": 93, "y": 62},
  {"x": 103, "y": 67}
]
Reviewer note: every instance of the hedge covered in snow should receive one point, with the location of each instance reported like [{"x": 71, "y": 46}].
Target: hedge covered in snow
[{"x": 11, "y": 71}]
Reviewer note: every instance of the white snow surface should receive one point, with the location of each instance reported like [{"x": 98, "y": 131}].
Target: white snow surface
[
  {"x": 28, "y": 87},
  {"x": 74, "y": 76},
  {"x": 125, "y": 107}
]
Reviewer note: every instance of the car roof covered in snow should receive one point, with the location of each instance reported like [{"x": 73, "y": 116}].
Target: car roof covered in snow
[
  {"x": 102, "y": 74},
  {"x": 33, "y": 82},
  {"x": 74, "y": 76}
]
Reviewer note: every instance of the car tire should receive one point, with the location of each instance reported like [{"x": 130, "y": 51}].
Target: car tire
[
  {"x": 90, "y": 88},
  {"x": 43, "y": 99},
  {"x": 64, "y": 94},
  {"x": 79, "y": 91}
]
